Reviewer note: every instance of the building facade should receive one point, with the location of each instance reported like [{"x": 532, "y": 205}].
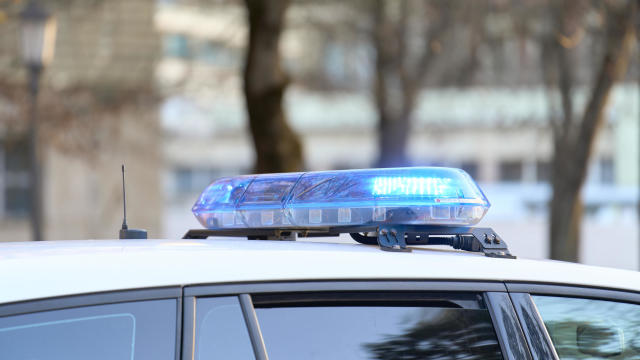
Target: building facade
[
  {"x": 495, "y": 127},
  {"x": 96, "y": 110}
]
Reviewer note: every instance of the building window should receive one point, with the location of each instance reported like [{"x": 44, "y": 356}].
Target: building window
[
  {"x": 215, "y": 54},
  {"x": 607, "y": 171},
  {"x": 471, "y": 167},
  {"x": 176, "y": 45},
  {"x": 193, "y": 180},
  {"x": 14, "y": 178},
  {"x": 334, "y": 64},
  {"x": 183, "y": 180},
  {"x": 543, "y": 171},
  {"x": 511, "y": 171}
]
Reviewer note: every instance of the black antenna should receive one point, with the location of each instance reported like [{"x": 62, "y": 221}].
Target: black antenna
[
  {"x": 125, "y": 232},
  {"x": 124, "y": 203}
]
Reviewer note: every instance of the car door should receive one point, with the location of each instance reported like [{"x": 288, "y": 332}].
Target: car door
[
  {"x": 571, "y": 322},
  {"x": 352, "y": 320}
]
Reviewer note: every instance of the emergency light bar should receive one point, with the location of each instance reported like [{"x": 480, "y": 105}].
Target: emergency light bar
[{"x": 410, "y": 196}]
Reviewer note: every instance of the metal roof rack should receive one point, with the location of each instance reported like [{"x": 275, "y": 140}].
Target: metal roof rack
[{"x": 389, "y": 237}]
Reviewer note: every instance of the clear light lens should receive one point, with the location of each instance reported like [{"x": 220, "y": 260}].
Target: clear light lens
[{"x": 424, "y": 195}]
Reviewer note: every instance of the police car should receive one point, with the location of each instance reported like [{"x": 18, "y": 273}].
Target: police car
[{"x": 240, "y": 288}]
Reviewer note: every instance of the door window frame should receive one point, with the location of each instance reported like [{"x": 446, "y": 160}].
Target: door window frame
[
  {"x": 494, "y": 294},
  {"x": 102, "y": 298},
  {"x": 510, "y": 305},
  {"x": 540, "y": 342}
]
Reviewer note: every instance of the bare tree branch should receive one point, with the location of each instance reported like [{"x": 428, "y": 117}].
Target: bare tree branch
[
  {"x": 620, "y": 37},
  {"x": 573, "y": 139}
]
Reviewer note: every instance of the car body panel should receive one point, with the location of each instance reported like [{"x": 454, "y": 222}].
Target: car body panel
[{"x": 59, "y": 268}]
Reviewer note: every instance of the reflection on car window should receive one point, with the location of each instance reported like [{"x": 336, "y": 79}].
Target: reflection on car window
[
  {"x": 126, "y": 331},
  {"x": 221, "y": 330},
  {"x": 377, "y": 332},
  {"x": 591, "y": 329}
]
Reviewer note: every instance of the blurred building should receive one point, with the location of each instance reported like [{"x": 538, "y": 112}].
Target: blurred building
[
  {"x": 121, "y": 65},
  {"x": 495, "y": 126},
  {"x": 97, "y": 110}
]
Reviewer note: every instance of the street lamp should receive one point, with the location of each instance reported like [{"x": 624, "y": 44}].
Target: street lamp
[{"x": 38, "y": 42}]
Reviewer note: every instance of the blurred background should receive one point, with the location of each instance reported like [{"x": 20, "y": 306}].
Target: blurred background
[{"x": 537, "y": 100}]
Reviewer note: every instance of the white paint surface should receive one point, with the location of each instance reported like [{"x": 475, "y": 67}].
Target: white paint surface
[{"x": 58, "y": 268}]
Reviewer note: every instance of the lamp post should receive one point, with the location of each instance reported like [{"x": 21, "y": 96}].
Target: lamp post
[{"x": 38, "y": 41}]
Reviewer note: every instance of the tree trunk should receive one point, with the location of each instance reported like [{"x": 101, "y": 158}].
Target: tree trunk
[
  {"x": 277, "y": 146},
  {"x": 566, "y": 207},
  {"x": 394, "y": 107},
  {"x": 574, "y": 141},
  {"x": 393, "y": 98},
  {"x": 401, "y": 69},
  {"x": 392, "y": 140}
]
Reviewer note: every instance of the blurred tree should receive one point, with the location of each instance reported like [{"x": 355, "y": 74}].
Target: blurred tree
[
  {"x": 277, "y": 146},
  {"x": 448, "y": 334},
  {"x": 400, "y": 69},
  {"x": 98, "y": 108},
  {"x": 574, "y": 134}
]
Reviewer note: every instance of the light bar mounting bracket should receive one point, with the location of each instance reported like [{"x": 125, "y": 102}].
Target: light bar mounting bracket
[
  {"x": 389, "y": 237},
  {"x": 392, "y": 238}
]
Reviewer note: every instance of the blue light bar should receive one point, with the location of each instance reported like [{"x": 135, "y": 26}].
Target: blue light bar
[{"x": 419, "y": 195}]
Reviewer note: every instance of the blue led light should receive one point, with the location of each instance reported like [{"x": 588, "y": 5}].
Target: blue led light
[
  {"x": 412, "y": 186},
  {"x": 421, "y": 195}
]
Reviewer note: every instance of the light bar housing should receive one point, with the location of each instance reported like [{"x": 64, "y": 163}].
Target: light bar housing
[{"x": 417, "y": 195}]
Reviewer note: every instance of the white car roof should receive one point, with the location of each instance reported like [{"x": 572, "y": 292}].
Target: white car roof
[{"x": 58, "y": 268}]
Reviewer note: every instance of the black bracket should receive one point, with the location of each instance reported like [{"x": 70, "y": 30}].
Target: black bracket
[
  {"x": 132, "y": 234},
  {"x": 398, "y": 237},
  {"x": 258, "y": 233},
  {"x": 390, "y": 237}
]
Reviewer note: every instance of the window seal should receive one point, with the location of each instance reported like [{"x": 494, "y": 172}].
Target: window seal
[
  {"x": 188, "y": 327},
  {"x": 253, "y": 327},
  {"x": 507, "y": 327},
  {"x": 574, "y": 291},
  {"x": 535, "y": 331},
  {"x": 461, "y": 300},
  {"x": 102, "y": 298},
  {"x": 343, "y": 285},
  {"x": 178, "y": 345}
]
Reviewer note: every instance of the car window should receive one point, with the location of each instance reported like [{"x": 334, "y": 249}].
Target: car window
[
  {"x": 376, "y": 327},
  {"x": 221, "y": 330},
  {"x": 591, "y": 329},
  {"x": 125, "y": 331}
]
